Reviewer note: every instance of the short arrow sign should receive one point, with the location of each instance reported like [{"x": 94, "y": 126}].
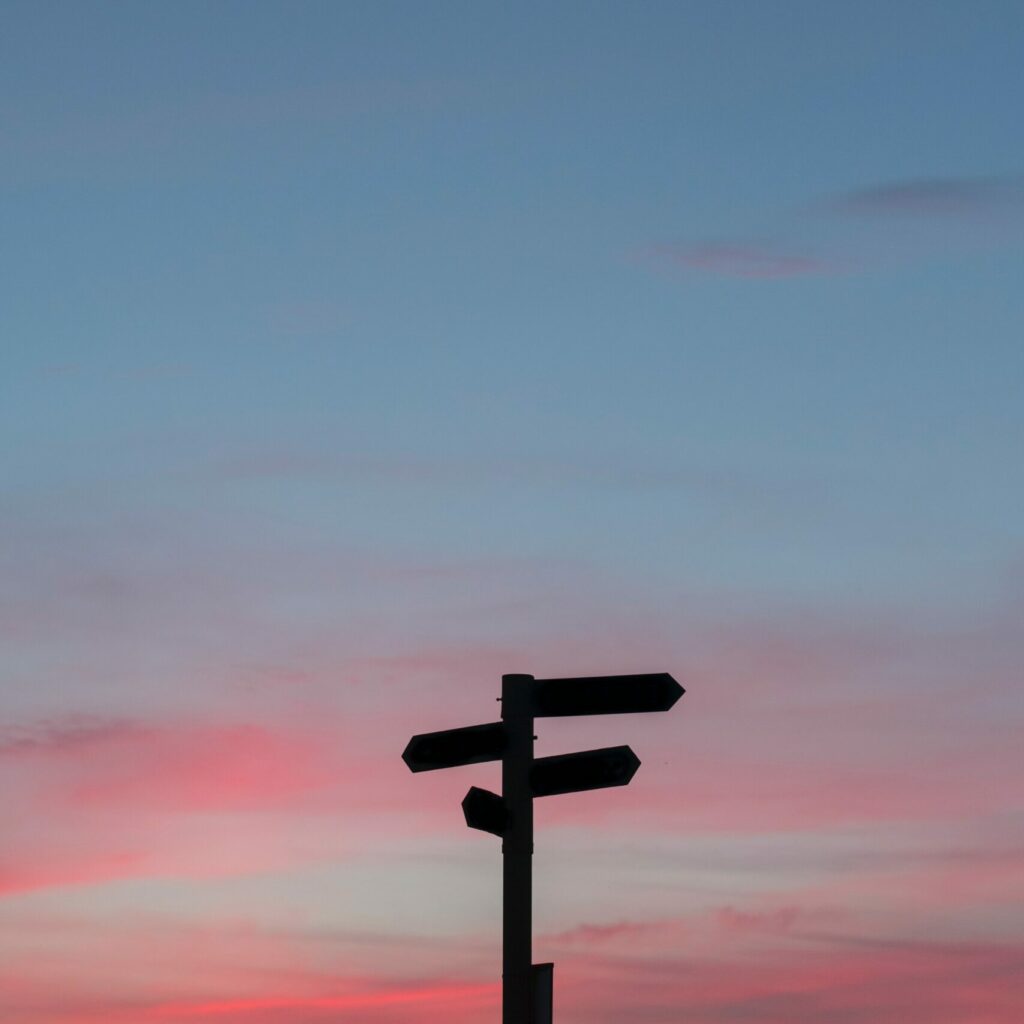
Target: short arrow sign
[
  {"x": 589, "y": 769},
  {"x": 452, "y": 747},
  {"x": 605, "y": 695},
  {"x": 485, "y": 810}
]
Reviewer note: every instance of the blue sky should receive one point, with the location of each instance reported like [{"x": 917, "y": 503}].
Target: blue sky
[{"x": 357, "y": 353}]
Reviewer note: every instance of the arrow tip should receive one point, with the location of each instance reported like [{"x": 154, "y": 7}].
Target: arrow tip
[
  {"x": 673, "y": 689},
  {"x": 407, "y": 755},
  {"x": 632, "y": 763}
]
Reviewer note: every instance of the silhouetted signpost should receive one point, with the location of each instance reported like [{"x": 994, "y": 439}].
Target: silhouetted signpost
[{"x": 527, "y": 987}]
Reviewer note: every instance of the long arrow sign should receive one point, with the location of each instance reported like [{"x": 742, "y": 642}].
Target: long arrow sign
[
  {"x": 589, "y": 769},
  {"x": 452, "y": 747},
  {"x": 604, "y": 695}
]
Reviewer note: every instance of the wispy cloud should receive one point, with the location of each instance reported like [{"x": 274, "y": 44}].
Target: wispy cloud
[
  {"x": 130, "y": 374},
  {"x": 921, "y": 983},
  {"x": 864, "y": 228},
  {"x": 449, "y": 995},
  {"x": 69, "y": 735},
  {"x": 938, "y": 198},
  {"x": 92, "y": 762},
  {"x": 617, "y": 931},
  {"x": 361, "y": 1000},
  {"x": 94, "y": 800},
  {"x": 721, "y": 484},
  {"x": 32, "y": 871},
  {"x": 147, "y": 135},
  {"x": 711, "y": 926},
  {"x": 742, "y": 259},
  {"x": 778, "y": 921}
]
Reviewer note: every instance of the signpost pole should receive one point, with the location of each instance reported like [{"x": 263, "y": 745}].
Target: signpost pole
[{"x": 517, "y": 850}]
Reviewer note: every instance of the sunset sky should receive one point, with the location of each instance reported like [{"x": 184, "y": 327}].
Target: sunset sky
[{"x": 356, "y": 353}]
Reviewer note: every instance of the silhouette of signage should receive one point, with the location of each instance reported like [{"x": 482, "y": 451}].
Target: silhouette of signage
[
  {"x": 485, "y": 810},
  {"x": 453, "y": 747},
  {"x": 588, "y": 769},
  {"x": 542, "y": 979},
  {"x": 526, "y": 989},
  {"x": 604, "y": 695}
]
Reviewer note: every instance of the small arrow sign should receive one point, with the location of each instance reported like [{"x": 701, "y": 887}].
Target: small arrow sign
[
  {"x": 605, "y": 695},
  {"x": 485, "y": 810},
  {"x": 542, "y": 978},
  {"x": 589, "y": 769},
  {"x": 452, "y": 747}
]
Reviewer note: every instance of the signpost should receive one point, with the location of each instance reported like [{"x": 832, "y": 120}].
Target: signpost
[{"x": 526, "y": 994}]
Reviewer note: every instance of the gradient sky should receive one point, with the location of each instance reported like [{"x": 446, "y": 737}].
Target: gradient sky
[{"x": 354, "y": 354}]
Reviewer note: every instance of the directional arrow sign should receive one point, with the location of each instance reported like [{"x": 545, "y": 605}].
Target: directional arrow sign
[
  {"x": 604, "y": 695},
  {"x": 485, "y": 810},
  {"x": 453, "y": 747},
  {"x": 542, "y": 977},
  {"x": 589, "y": 769}
]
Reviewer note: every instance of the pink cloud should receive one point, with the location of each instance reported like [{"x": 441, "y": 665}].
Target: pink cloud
[
  {"x": 778, "y": 921},
  {"x": 868, "y": 983},
  {"x": 865, "y": 228},
  {"x": 887, "y": 983},
  {"x": 201, "y": 768},
  {"x": 91, "y": 762},
  {"x": 919, "y": 882},
  {"x": 95, "y": 801},
  {"x": 933, "y": 197},
  {"x": 732, "y": 792},
  {"x": 450, "y": 996},
  {"x": 625, "y": 970},
  {"x": 69, "y": 735},
  {"x": 75, "y": 855},
  {"x": 165, "y": 969},
  {"x": 591, "y": 934},
  {"x": 405, "y": 470},
  {"x": 34, "y": 871},
  {"x": 743, "y": 259},
  {"x": 728, "y": 920},
  {"x": 366, "y": 1000}
]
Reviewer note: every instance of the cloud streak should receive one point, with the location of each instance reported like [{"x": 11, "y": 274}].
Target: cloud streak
[
  {"x": 753, "y": 260},
  {"x": 937, "y": 198},
  {"x": 89, "y": 762},
  {"x": 865, "y": 983},
  {"x": 396, "y": 469},
  {"x": 71, "y": 735},
  {"x": 450, "y": 996},
  {"x": 864, "y": 228}
]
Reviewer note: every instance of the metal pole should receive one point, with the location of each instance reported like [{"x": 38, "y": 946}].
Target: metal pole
[{"x": 517, "y": 850}]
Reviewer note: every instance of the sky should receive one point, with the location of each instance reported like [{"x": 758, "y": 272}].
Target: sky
[{"x": 355, "y": 354}]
